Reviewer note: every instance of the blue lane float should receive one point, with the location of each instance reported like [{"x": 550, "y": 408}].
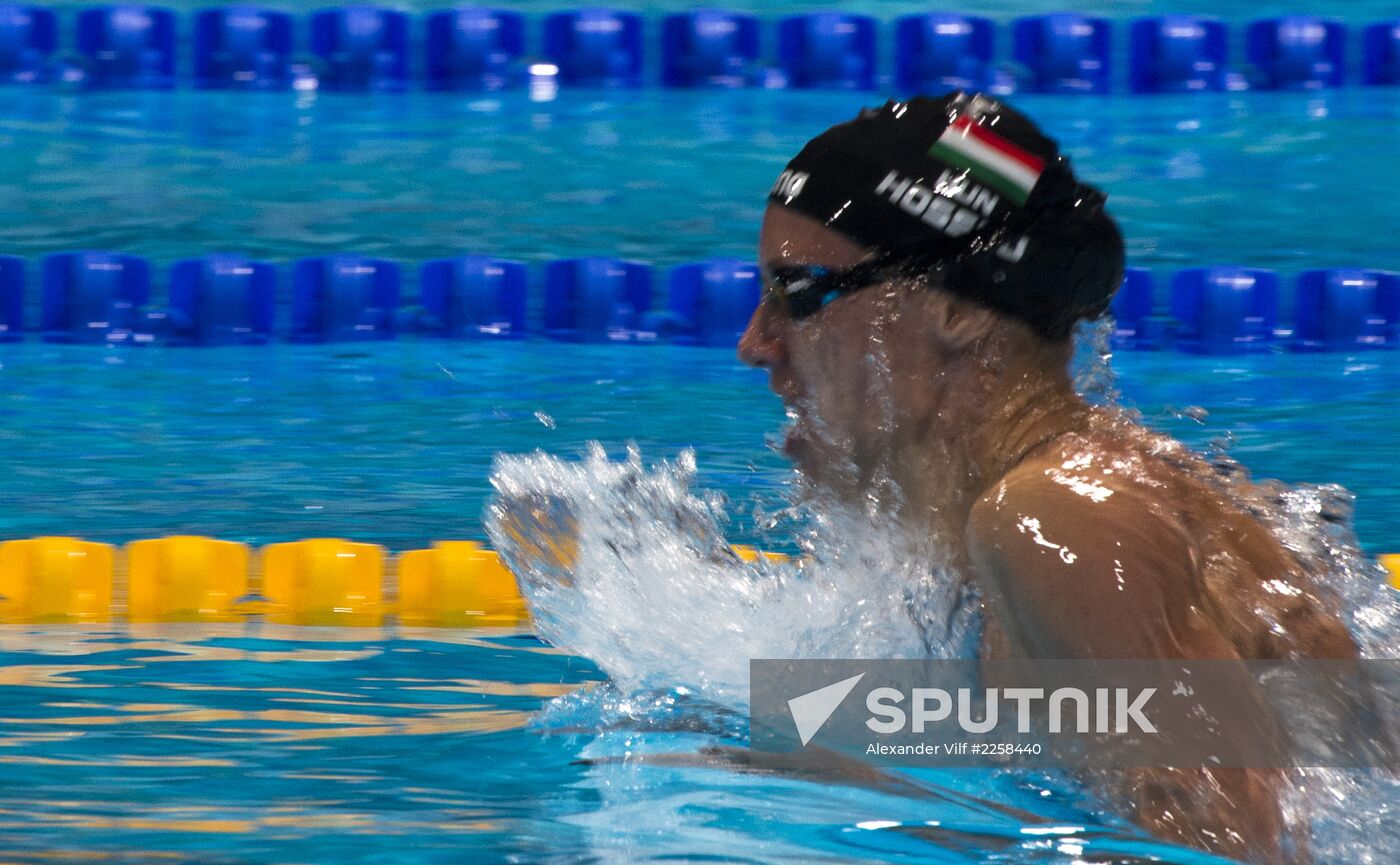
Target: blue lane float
[
  {"x": 1297, "y": 52},
  {"x": 366, "y": 48},
  {"x": 595, "y": 47},
  {"x": 127, "y": 47},
  {"x": 11, "y": 298},
  {"x": 1065, "y": 52},
  {"x": 242, "y": 47},
  {"x": 713, "y": 300},
  {"x": 221, "y": 300},
  {"x": 361, "y": 48},
  {"x": 944, "y": 51},
  {"x": 95, "y": 297},
  {"x": 595, "y": 299},
  {"x": 1177, "y": 54},
  {"x": 828, "y": 50},
  {"x": 1132, "y": 307},
  {"x": 104, "y": 297},
  {"x": 471, "y": 48},
  {"x": 28, "y": 36},
  {"x": 1380, "y": 64},
  {"x": 1343, "y": 310},
  {"x": 709, "y": 48},
  {"x": 1224, "y": 310},
  {"x": 340, "y": 298},
  {"x": 474, "y": 296}
]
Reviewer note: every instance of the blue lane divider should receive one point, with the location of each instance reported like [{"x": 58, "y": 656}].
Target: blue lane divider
[
  {"x": 711, "y": 301},
  {"x": 709, "y": 48},
  {"x": 1297, "y": 52},
  {"x": 1179, "y": 54},
  {"x": 367, "y": 48},
  {"x": 1235, "y": 310},
  {"x": 223, "y": 299},
  {"x": 1224, "y": 310},
  {"x": 344, "y": 297},
  {"x": 361, "y": 48},
  {"x": 1381, "y": 54},
  {"x": 1344, "y": 309},
  {"x": 96, "y": 297},
  {"x": 829, "y": 50},
  {"x": 28, "y": 36},
  {"x": 1066, "y": 53},
  {"x": 11, "y": 298},
  {"x": 242, "y": 47},
  {"x": 473, "y": 296},
  {"x": 474, "y": 49},
  {"x": 595, "y": 47},
  {"x": 128, "y": 46},
  {"x": 595, "y": 299},
  {"x": 946, "y": 51}
]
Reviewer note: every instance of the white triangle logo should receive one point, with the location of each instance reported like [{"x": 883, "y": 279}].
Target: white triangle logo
[{"x": 811, "y": 710}]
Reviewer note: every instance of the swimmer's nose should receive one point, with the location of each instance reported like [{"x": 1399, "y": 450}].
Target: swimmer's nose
[{"x": 762, "y": 344}]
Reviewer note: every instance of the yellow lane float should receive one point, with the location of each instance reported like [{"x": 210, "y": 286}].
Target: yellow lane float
[
  {"x": 324, "y": 581},
  {"x": 55, "y": 580},
  {"x": 321, "y": 581},
  {"x": 1391, "y": 562},
  {"x": 185, "y": 578},
  {"x": 457, "y": 583}
]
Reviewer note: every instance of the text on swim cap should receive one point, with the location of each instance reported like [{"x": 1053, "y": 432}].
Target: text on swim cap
[
  {"x": 789, "y": 185},
  {"x": 952, "y": 206}
]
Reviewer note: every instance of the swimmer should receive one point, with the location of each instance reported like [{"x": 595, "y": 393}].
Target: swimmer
[{"x": 949, "y": 239}]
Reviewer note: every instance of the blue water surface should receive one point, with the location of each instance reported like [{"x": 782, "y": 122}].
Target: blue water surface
[
  {"x": 1280, "y": 180},
  {"x": 392, "y": 443},
  {"x": 252, "y": 744}
]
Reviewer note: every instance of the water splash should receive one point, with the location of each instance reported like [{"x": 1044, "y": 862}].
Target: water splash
[
  {"x": 1092, "y": 368},
  {"x": 642, "y": 581}
]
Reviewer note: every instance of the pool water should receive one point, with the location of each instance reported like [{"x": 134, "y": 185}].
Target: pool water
[
  {"x": 226, "y": 744},
  {"x": 1279, "y": 180},
  {"x": 393, "y": 442}
]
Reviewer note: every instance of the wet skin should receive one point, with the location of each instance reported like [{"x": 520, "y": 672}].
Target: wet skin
[{"x": 1087, "y": 535}]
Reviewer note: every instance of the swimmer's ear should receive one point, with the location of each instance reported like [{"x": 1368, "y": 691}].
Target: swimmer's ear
[{"x": 957, "y": 323}]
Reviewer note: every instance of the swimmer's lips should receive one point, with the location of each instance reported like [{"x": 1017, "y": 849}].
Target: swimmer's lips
[{"x": 795, "y": 437}]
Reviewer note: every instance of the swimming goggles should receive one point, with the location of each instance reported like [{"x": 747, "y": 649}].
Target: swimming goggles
[{"x": 801, "y": 290}]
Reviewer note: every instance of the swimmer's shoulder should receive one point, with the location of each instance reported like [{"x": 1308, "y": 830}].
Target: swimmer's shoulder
[
  {"x": 1074, "y": 502},
  {"x": 1107, "y": 476},
  {"x": 1080, "y": 556}
]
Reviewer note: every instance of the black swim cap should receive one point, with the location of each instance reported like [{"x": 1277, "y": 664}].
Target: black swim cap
[{"x": 969, "y": 187}]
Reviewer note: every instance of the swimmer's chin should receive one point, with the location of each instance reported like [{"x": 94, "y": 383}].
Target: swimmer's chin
[{"x": 795, "y": 443}]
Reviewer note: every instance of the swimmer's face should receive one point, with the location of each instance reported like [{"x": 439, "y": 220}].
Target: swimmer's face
[{"x": 856, "y": 376}]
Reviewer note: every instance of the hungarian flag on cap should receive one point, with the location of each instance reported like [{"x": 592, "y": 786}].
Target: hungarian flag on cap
[{"x": 989, "y": 158}]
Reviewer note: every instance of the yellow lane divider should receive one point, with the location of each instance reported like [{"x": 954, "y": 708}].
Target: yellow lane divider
[
  {"x": 324, "y": 581},
  {"x": 42, "y": 578},
  {"x": 1391, "y": 562},
  {"x": 457, "y": 583},
  {"x": 184, "y": 577},
  {"x": 321, "y": 581}
]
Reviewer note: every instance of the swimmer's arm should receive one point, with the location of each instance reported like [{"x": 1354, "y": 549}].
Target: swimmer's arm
[
  {"x": 1071, "y": 577},
  {"x": 538, "y": 535}
]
